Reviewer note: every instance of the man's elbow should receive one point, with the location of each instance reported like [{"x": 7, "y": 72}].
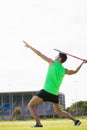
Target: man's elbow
[{"x": 72, "y": 72}]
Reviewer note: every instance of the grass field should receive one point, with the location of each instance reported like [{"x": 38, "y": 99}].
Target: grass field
[{"x": 48, "y": 124}]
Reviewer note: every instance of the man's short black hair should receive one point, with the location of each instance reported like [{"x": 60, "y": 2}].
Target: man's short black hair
[{"x": 63, "y": 56}]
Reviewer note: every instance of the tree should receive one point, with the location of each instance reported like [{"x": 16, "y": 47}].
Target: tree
[
  {"x": 78, "y": 108},
  {"x": 16, "y": 113}
]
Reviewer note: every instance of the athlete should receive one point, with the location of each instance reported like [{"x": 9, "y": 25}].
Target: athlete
[{"x": 50, "y": 91}]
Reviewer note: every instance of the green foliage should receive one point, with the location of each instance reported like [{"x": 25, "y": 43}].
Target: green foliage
[
  {"x": 16, "y": 113},
  {"x": 78, "y": 107}
]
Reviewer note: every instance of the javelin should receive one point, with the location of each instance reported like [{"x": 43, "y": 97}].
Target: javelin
[{"x": 70, "y": 55}]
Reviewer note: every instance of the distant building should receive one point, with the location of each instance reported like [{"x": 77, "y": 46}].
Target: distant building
[
  {"x": 62, "y": 99},
  {"x": 21, "y": 99}
]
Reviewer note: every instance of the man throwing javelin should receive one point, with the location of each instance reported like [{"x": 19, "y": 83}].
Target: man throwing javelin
[{"x": 50, "y": 91}]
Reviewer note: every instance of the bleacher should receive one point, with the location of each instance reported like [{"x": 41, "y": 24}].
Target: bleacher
[
  {"x": 6, "y": 107},
  {"x": 8, "y": 102}
]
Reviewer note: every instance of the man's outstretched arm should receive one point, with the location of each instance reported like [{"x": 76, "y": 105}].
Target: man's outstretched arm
[
  {"x": 49, "y": 60},
  {"x": 70, "y": 72}
]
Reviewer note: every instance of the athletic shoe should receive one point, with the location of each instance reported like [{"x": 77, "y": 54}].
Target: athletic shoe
[
  {"x": 77, "y": 123},
  {"x": 37, "y": 125}
]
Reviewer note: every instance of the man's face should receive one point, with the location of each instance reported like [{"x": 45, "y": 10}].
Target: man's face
[{"x": 57, "y": 57}]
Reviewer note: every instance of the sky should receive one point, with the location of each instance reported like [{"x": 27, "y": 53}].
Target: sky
[{"x": 44, "y": 24}]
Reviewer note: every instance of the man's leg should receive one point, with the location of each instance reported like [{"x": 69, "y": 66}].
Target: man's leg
[
  {"x": 65, "y": 114},
  {"x": 34, "y": 101}
]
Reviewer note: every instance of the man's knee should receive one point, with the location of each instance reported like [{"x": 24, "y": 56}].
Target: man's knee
[
  {"x": 30, "y": 104},
  {"x": 57, "y": 109}
]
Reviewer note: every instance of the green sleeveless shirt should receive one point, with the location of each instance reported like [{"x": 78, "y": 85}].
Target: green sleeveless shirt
[{"x": 54, "y": 78}]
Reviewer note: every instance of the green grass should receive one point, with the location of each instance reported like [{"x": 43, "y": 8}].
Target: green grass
[{"x": 48, "y": 124}]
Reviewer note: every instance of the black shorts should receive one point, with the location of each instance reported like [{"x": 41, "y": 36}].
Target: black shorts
[{"x": 47, "y": 96}]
